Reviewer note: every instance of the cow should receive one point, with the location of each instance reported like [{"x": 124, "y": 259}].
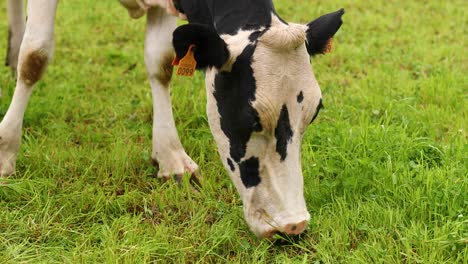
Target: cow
[{"x": 261, "y": 92}]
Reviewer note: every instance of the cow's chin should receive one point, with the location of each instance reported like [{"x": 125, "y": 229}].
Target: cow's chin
[{"x": 266, "y": 225}]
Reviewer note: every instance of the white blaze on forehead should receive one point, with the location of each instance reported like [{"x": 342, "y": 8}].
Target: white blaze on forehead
[{"x": 284, "y": 37}]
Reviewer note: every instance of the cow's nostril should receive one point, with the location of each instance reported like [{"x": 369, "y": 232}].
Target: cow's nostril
[
  {"x": 289, "y": 230},
  {"x": 295, "y": 229}
]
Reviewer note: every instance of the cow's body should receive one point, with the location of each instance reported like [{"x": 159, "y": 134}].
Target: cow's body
[{"x": 260, "y": 88}]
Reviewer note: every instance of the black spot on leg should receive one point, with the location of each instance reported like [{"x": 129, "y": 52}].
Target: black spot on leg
[
  {"x": 33, "y": 66},
  {"x": 164, "y": 74},
  {"x": 231, "y": 165},
  {"x": 283, "y": 133},
  {"x": 300, "y": 97},
  {"x": 249, "y": 172},
  {"x": 319, "y": 106}
]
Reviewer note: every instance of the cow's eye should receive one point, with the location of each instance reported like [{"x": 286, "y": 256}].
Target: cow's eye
[{"x": 256, "y": 125}]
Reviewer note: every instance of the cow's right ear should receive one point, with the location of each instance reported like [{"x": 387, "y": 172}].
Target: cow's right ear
[
  {"x": 210, "y": 49},
  {"x": 321, "y": 30}
]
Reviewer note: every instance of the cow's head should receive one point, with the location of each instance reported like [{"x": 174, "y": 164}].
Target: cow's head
[{"x": 262, "y": 95}]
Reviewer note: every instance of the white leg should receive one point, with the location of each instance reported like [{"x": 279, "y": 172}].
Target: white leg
[
  {"x": 16, "y": 26},
  {"x": 167, "y": 149},
  {"x": 36, "y": 50}
]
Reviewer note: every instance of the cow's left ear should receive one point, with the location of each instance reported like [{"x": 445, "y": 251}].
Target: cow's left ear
[
  {"x": 321, "y": 30},
  {"x": 210, "y": 49}
]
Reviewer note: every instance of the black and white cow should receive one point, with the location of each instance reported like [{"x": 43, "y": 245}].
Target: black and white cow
[{"x": 260, "y": 88}]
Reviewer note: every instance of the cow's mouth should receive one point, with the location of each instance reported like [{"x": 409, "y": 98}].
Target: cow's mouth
[{"x": 266, "y": 226}]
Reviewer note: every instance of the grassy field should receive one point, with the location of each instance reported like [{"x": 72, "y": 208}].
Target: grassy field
[{"x": 385, "y": 164}]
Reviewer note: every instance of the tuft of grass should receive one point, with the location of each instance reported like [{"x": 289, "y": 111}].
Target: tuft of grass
[{"x": 385, "y": 164}]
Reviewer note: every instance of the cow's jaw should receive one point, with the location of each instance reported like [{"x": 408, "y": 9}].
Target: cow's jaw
[{"x": 276, "y": 203}]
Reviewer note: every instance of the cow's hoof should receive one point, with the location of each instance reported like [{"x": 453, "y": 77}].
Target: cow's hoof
[
  {"x": 7, "y": 164},
  {"x": 175, "y": 165},
  {"x": 9, "y": 146},
  {"x": 194, "y": 181},
  {"x": 194, "y": 176}
]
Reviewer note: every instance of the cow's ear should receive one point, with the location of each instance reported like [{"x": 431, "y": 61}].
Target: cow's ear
[
  {"x": 210, "y": 49},
  {"x": 321, "y": 30}
]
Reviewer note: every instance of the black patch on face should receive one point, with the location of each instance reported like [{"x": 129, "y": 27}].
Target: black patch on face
[
  {"x": 319, "y": 106},
  {"x": 300, "y": 97},
  {"x": 234, "y": 92},
  {"x": 231, "y": 165},
  {"x": 283, "y": 133},
  {"x": 249, "y": 172},
  {"x": 250, "y": 27},
  {"x": 255, "y": 35}
]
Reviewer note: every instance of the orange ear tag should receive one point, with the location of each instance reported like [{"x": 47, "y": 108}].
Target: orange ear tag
[
  {"x": 187, "y": 64},
  {"x": 329, "y": 46}
]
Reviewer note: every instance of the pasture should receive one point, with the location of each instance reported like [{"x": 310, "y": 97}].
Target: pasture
[{"x": 385, "y": 163}]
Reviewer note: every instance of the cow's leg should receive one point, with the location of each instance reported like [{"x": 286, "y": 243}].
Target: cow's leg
[
  {"x": 15, "y": 32},
  {"x": 167, "y": 149},
  {"x": 35, "y": 52}
]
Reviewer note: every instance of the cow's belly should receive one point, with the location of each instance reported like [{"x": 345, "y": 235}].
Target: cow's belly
[{"x": 137, "y": 8}]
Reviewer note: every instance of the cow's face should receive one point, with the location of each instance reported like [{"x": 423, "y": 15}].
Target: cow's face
[{"x": 261, "y": 97}]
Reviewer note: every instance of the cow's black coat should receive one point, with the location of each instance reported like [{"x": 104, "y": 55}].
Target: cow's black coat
[
  {"x": 231, "y": 164},
  {"x": 300, "y": 97},
  {"x": 283, "y": 133},
  {"x": 228, "y": 16},
  {"x": 234, "y": 92},
  {"x": 249, "y": 172}
]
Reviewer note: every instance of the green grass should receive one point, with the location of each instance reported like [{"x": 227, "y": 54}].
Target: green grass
[{"x": 385, "y": 164}]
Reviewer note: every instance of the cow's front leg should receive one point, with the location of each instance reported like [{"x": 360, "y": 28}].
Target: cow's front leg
[
  {"x": 16, "y": 27},
  {"x": 167, "y": 149},
  {"x": 35, "y": 52}
]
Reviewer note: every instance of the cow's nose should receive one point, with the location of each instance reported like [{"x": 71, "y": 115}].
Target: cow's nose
[{"x": 290, "y": 229}]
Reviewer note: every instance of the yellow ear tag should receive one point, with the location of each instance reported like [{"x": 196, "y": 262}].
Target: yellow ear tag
[
  {"x": 187, "y": 64},
  {"x": 329, "y": 46}
]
